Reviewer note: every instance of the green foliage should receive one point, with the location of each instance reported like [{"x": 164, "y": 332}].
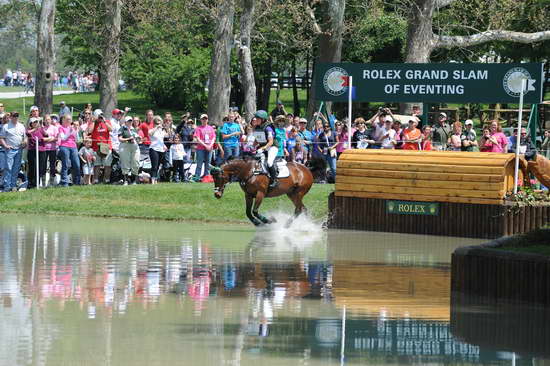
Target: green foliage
[
  {"x": 376, "y": 38},
  {"x": 18, "y": 35},
  {"x": 170, "y": 78}
]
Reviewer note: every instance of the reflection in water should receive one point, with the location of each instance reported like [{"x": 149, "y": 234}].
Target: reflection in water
[{"x": 115, "y": 292}]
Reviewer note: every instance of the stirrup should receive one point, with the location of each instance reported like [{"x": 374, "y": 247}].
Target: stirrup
[{"x": 274, "y": 183}]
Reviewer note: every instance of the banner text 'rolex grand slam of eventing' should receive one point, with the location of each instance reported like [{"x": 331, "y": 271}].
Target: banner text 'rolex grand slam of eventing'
[{"x": 447, "y": 83}]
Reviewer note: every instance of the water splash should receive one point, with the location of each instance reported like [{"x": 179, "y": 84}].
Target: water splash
[{"x": 287, "y": 231}]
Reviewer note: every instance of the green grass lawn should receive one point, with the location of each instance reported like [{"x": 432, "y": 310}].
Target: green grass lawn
[{"x": 168, "y": 201}]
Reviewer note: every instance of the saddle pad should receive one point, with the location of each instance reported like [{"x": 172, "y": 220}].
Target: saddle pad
[{"x": 283, "y": 170}]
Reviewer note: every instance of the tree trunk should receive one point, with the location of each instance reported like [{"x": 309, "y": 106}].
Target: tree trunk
[
  {"x": 108, "y": 85},
  {"x": 330, "y": 44},
  {"x": 45, "y": 58},
  {"x": 295, "y": 89},
  {"x": 420, "y": 38},
  {"x": 245, "y": 57},
  {"x": 219, "y": 88},
  {"x": 266, "y": 84}
]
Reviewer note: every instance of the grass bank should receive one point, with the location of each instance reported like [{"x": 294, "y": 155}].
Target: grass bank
[
  {"x": 536, "y": 242},
  {"x": 168, "y": 201}
]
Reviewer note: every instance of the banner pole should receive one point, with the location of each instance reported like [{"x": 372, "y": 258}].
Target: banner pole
[
  {"x": 518, "y": 136},
  {"x": 349, "y": 110}
]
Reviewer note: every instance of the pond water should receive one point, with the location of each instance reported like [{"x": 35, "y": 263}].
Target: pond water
[{"x": 88, "y": 291}]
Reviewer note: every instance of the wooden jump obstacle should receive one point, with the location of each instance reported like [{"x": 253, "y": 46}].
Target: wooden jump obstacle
[{"x": 424, "y": 192}]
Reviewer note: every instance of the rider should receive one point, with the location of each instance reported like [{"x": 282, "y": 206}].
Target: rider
[{"x": 269, "y": 144}]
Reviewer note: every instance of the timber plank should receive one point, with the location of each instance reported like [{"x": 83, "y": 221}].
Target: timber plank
[
  {"x": 420, "y": 167},
  {"x": 445, "y": 192},
  {"x": 421, "y": 198},
  {"x": 432, "y": 160},
  {"x": 421, "y": 175},
  {"x": 427, "y": 154},
  {"x": 420, "y": 183}
]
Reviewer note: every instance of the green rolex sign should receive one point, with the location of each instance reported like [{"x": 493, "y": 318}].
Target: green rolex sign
[
  {"x": 412, "y": 208},
  {"x": 454, "y": 82}
]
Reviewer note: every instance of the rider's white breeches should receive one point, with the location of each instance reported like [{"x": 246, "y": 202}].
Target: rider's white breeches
[{"x": 271, "y": 155}]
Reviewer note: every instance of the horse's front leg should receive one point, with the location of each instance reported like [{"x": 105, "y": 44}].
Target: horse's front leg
[
  {"x": 257, "y": 202},
  {"x": 249, "y": 202}
]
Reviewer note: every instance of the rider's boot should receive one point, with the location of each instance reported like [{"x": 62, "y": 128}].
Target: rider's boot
[{"x": 273, "y": 177}]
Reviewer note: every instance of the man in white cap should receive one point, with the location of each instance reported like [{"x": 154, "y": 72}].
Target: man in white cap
[
  {"x": 63, "y": 109},
  {"x": 468, "y": 137},
  {"x": 441, "y": 132}
]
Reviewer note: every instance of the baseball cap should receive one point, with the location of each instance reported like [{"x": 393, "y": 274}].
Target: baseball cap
[
  {"x": 98, "y": 112},
  {"x": 468, "y": 122},
  {"x": 116, "y": 111},
  {"x": 389, "y": 119},
  {"x": 34, "y": 108},
  {"x": 204, "y": 115},
  {"x": 303, "y": 120},
  {"x": 34, "y": 119},
  {"x": 443, "y": 114},
  {"x": 62, "y": 102},
  {"x": 128, "y": 119}
]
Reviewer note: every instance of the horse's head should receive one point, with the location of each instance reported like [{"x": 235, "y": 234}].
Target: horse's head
[{"x": 221, "y": 179}]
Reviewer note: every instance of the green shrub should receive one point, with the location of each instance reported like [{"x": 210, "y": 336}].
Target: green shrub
[{"x": 170, "y": 79}]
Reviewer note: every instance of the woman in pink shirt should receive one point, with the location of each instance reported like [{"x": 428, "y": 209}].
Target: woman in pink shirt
[
  {"x": 500, "y": 142},
  {"x": 342, "y": 136},
  {"x": 68, "y": 151},
  {"x": 205, "y": 137},
  {"x": 48, "y": 150}
]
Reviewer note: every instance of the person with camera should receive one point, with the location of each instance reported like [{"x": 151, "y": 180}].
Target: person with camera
[
  {"x": 129, "y": 139},
  {"x": 100, "y": 131},
  {"x": 231, "y": 134},
  {"x": 185, "y": 130},
  {"x": 13, "y": 140},
  {"x": 279, "y": 110},
  {"x": 157, "y": 148}
]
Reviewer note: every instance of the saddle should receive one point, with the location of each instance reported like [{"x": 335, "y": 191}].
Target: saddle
[{"x": 280, "y": 166}]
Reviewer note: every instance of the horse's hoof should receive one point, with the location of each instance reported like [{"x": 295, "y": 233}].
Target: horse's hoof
[{"x": 257, "y": 223}]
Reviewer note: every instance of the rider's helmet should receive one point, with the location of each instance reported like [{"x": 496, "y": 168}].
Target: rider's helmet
[{"x": 261, "y": 114}]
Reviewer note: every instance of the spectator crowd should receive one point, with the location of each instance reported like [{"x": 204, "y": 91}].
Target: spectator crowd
[{"x": 46, "y": 150}]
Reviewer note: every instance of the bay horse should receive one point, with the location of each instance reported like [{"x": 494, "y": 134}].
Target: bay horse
[{"x": 256, "y": 186}]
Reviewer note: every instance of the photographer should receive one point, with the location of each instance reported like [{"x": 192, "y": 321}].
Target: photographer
[
  {"x": 278, "y": 111},
  {"x": 185, "y": 130},
  {"x": 157, "y": 148},
  {"x": 129, "y": 139},
  {"x": 100, "y": 132},
  {"x": 231, "y": 134}
]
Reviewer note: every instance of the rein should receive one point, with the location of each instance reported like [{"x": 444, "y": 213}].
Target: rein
[{"x": 241, "y": 181}]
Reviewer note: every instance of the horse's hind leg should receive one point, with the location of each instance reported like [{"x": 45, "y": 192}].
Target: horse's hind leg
[
  {"x": 249, "y": 202},
  {"x": 296, "y": 198},
  {"x": 257, "y": 202}
]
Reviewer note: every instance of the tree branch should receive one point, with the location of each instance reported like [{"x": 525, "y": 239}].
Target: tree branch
[
  {"x": 443, "y": 3},
  {"x": 311, "y": 14},
  {"x": 488, "y": 36}
]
